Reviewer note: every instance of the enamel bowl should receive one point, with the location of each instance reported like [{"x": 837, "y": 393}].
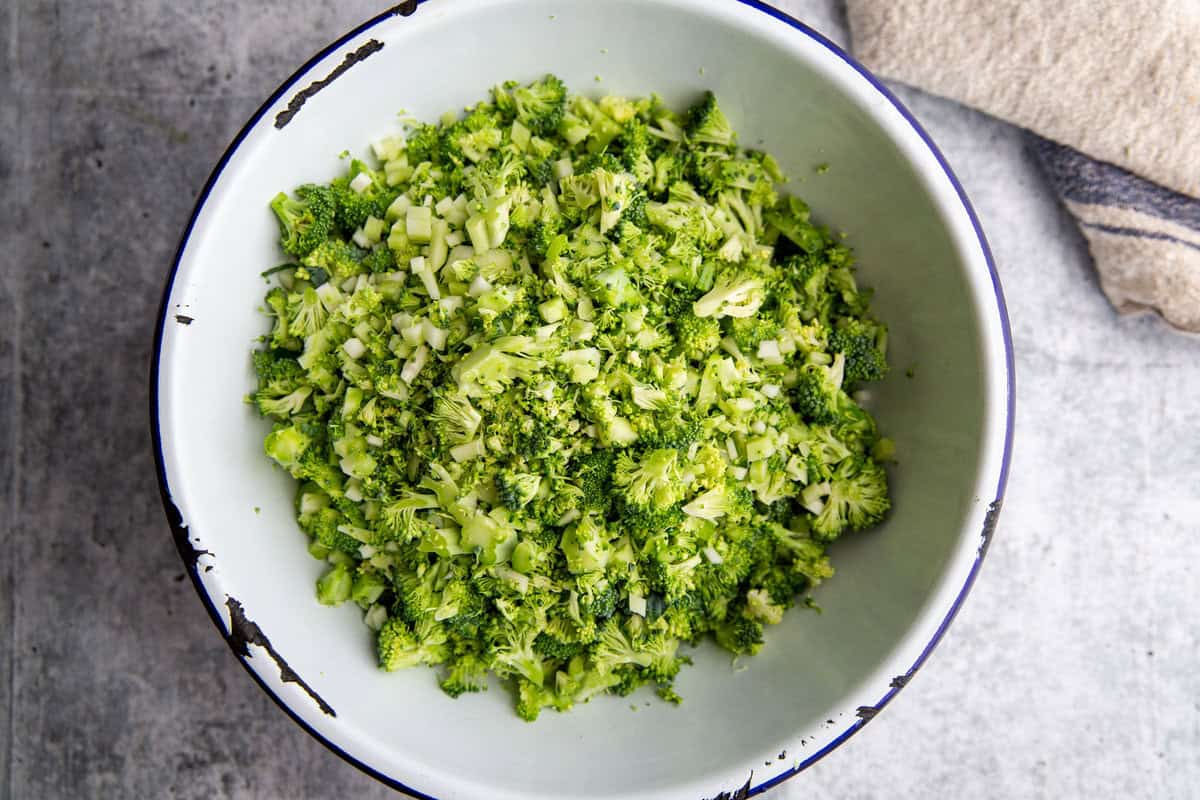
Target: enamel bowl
[{"x": 821, "y": 677}]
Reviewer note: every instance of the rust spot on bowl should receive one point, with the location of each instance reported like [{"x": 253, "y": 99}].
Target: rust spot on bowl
[{"x": 304, "y": 95}]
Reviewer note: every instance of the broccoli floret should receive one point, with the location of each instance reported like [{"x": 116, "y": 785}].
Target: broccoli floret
[
  {"x": 697, "y": 336},
  {"x": 306, "y": 312},
  {"x": 472, "y": 138},
  {"x": 731, "y": 297},
  {"x": 423, "y": 144},
  {"x": 281, "y": 336},
  {"x": 541, "y": 234},
  {"x": 635, "y": 210},
  {"x": 541, "y": 104},
  {"x": 540, "y": 171},
  {"x": 324, "y": 524},
  {"x": 761, "y": 607},
  {"x": 402, "y": 645},
  {"x": 862, "y": 343},
  {"x": 602, "y": 604},
  {"x": 368, "y": 587},
  {"x": 354, "y": 203},
  {"x": 654, "y": 481},
  {"x": 730, "y": 501},
  {"x": 532, "y": 698},
  {"x": 304, "y": 220},
  {"x": 740, "y": 635},
  {"x": 643, "y": 521},
  {"x": 284, "y": 406},
  {"x": 857, "y": 499},
  {"x": 337, "y": 258},
  {"x": 670, "y": 571},
  {"x": 677, "y": 433},
  {"x": 585, "y": 545},
  {"x": 517, "y": 489},
  {"x": 556, "y": 650},
  {"x": 594, "y": 161},
  {"x": 287, "y": 445},
  {"x": 637, "y": 147},
  {"x": 282, "y": 388},
  {"x": 782, "y": 583},
  {"x": 593, "y": 474},
  {"x": 750, "y": 332},
  {"x": 467, "y": 673},
  {"x": 817, "y": 395},
  {"x": 379, "y": 259},
  {"x": 706, "y": 123}
]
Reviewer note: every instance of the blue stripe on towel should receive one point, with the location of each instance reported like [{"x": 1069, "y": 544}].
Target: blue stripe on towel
[
  {"x": 1138, "y": 233},
  {"x": 1083, "y": 180}
]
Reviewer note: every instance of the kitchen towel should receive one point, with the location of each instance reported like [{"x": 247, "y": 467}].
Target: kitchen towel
[{"x": 1110, "y": 90}]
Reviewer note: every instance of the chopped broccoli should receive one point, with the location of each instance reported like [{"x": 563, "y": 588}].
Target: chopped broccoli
[
  {"x": 706, "y": 123},
  {"x": 358, "y": 195},
  {"x": 857, "y": 498},
  {"x": 740, "y": 635},
  {"x": 593, "y": 472},
  {"x": 402, "y": 645},
  {"x": 541, "y": 104},
  {"x": 817, "y": 394},
  {"x": 862, "y": 342},
  {"x": 304, "y": 220},
  {"x": 467, "y": 673},
  {"x": 654, "y": 481},
  {"x": 565, "y": 383},
  {"x": 697, "y": 336}
]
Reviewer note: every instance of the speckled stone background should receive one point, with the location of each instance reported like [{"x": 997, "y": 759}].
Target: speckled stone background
[{"x": 1071, "y": 672}]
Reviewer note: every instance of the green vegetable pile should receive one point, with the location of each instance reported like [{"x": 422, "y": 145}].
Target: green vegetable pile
[{"x": 567, "y": 383}]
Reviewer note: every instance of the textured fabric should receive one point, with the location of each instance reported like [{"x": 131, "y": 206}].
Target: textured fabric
[{"x": 1117, "y": 80}]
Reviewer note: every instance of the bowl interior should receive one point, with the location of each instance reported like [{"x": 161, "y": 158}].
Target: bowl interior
[{"x": 785, "y": 92}]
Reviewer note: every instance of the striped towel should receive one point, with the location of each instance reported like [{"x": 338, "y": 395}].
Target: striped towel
[{"x": 1110, "y": 90}]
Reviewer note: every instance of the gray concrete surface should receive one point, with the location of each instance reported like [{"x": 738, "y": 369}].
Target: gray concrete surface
[{"x": 1072, "y": 671}]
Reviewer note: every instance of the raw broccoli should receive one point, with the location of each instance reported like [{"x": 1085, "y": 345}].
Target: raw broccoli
[
  {"x": 697, "y": 336},
  {"x": 862, "y": 342},
  {"x": 304, "y": 220},
  {"x": 857, "y": 498},
  {"x": 817, "y": 394},
  {"x": 706, "y": 123},
  {"x": 556, "y": 650},
  {"x": 653, "y": 481},
  {"x": 335, "y": 586},
  {"x": 402, "y": 645},
  {"x": 740, "y": 635},
  {"x": 358, "y": 195},
  {"x": 517, "y": 489},
  {"x": 594, "y": 472},
  {"x": 540, "y": 105},
  {"x": 564, "y": 383},
  {"x": 750, "y": 332},
  {"x": 467, "y": 673},
  {"x": 791, "y": 218},
  {"x": 424, "y": 144}
]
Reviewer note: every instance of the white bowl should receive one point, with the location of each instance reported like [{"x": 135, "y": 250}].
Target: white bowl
[{"x": 821, "y": 676}]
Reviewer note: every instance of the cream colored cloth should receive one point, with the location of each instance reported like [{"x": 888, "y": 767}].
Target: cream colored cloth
[{"x": 1117, "y": 80}]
